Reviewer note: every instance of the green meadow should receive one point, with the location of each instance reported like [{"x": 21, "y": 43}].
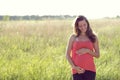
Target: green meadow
[{"x": 35, "y": 50}]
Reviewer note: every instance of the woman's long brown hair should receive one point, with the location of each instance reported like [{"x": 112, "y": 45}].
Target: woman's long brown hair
[{"x": 89, "y": 31}]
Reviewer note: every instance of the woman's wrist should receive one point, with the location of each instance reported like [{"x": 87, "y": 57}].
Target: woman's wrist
[
  {"x": 90, "y": 51},
  {"x": 73, "y": 66}
]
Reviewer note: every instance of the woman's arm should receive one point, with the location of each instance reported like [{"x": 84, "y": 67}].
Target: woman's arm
[
  {"x": 68, "y": 52},
  {"x": 96, "y": 52}
]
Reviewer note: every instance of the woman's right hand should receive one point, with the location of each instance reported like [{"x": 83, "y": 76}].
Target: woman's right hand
[
  {"x": 82, "y": 51},
  {"x": 78, "y": 69}
]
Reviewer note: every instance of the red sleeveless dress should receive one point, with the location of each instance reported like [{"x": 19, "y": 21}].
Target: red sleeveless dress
[{"x": 85, "y": 61}]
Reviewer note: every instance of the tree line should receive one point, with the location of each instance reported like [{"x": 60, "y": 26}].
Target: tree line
[{"x": 35, "y": 17}]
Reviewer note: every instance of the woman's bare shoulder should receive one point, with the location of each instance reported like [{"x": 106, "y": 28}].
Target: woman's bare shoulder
[{"x": 72, "y": 37}]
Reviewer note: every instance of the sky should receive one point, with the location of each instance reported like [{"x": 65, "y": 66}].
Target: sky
[{"x": 89, "y": 8}]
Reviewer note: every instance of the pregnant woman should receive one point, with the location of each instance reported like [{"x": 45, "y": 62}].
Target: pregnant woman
[{"x": 82, "y": 47}]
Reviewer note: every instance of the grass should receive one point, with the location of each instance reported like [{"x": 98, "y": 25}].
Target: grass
[{"x": 35, "y": 50}]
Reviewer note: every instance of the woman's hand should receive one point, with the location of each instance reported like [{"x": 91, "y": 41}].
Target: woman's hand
[
  {"x": 83, "y": 51},
  {"x": 78, "y": 69}
]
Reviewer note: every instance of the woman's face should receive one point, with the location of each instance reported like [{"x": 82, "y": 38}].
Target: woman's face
[{"x": 82, "y": 25}]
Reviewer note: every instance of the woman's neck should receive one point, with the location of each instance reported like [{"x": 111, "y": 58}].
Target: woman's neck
[{"x": 83, "y": 34}]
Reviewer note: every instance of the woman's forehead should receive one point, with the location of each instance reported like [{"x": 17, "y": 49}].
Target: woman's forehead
[{"x": 82, "y": 22}]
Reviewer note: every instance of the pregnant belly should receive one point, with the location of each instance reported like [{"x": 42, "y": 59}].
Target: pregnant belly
[{"x": 85, "y": 61}]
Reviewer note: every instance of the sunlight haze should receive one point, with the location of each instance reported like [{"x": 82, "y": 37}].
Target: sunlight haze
[{"x": 89, "y": 8}]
